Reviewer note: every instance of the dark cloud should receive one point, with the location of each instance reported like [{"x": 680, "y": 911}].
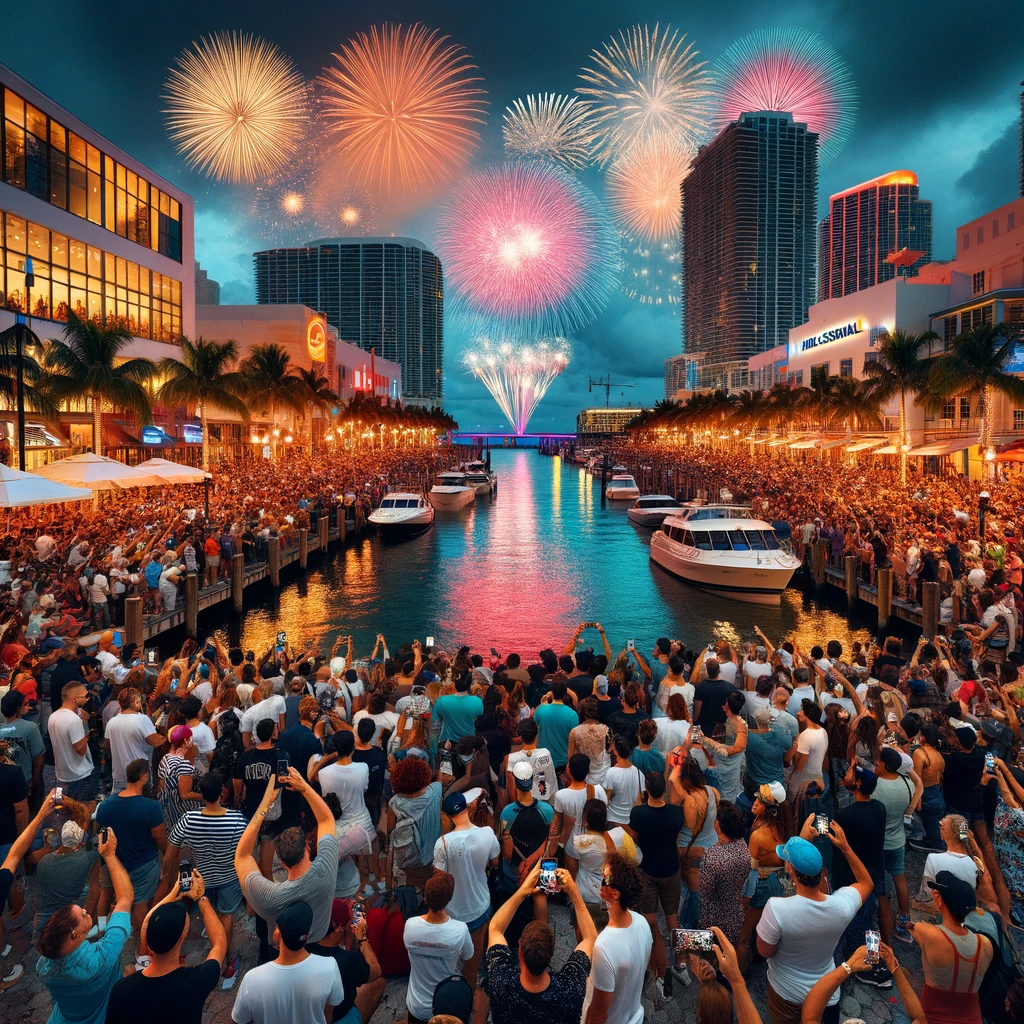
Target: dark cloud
[{"x": 994, "y": 177}]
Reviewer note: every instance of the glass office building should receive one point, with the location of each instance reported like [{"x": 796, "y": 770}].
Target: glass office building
[{"x": 385, "y": 295}]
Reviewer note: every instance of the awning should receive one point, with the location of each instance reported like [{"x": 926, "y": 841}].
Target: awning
[
  {"x": 835, "y": 443},
  {"x": 779, "y": 441},
  {"x": 762, "y": 440},
  {"x": 889, "y": 449},
  {"x": 861, "y": 446},
  {"x": 942, "y": 447},
  {"x": 805, "y": 444}
]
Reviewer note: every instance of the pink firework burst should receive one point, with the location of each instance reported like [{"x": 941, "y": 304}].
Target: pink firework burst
[
  {"x": 793, "y": 71},
  {"x": 526, "y": 246}
]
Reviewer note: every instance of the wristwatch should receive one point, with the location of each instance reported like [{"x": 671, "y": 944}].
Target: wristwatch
[{"x": 846, "y": 967}]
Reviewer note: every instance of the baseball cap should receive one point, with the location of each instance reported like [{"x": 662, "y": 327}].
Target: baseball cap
[
  {"x": 523, "y": 774},
  {"x": 772, "y": 792},
  {"x": 166, "y": 924},
  {"x": 341, "y": 913},
  {"x": 956, "y": 893},
  {"x": 431, "y": 677},
  {"x": 294, "y": 923},
  {"x": 891, "y": 759},
  {"x": 600, "y": 684},
  {"x": 804, "y": 856},
  {"x": 179, "y": 734},
  {"x": 454, "y": 803}
]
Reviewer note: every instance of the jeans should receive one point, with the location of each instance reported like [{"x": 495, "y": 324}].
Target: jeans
[
  {"x": 689, "y": 910},
  {"x": 933, "y": 807}
]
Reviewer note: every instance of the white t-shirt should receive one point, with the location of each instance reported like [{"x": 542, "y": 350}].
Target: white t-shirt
[
  {"x": 465, "y": 855},
  {"x": 727, "y": 670},
  {"x": 756, "y": 703},
  {"x": 204, "y": 741},
  {"x": 799, "y": 693},
  {"x": 753, "y": 670},
  {"x": 296, "y": 993},
  {"x": 385, "y": 720},
  {"x": 545, "y": 778},
  {"x": 269, "y": 707},
  {"x": 127, "y": 735},
  {"x": 348, "y": 782},
  {"x": 625, "y": 784},
  {"x": 665, "y": 694},
  {"x": 434, "y": 953},
  {"x": 671, "y": 734},
  {"x": 570, "y": 803},
  {"x": 592, "y": 851},
  {"x": 959, "y": 863},
  {"x": 813, "y": 743},
  {"x": 806, "y": 932},
  {"x": 616, "y": 966},
  {"x": 66, "y": 727}
]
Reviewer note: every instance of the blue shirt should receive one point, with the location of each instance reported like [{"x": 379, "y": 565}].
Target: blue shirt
[
  {"x": 152, "y": 573},
  {"x": 554, "y": 723},
  {"x": 80, "y": 982},
  {"x": 765, "y": 751},
  {"x": 785, "y": 723},
  {"x": 457, "y": 714},
  {"x": 508, "y": 815},
  {"x": 133, "y": 819}
]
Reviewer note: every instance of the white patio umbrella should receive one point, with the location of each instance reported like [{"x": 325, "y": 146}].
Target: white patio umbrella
[
  {"x": 98, "y": 473},
  {"x": 174, "y": 472},
  {"x": 19, "y": 490}
]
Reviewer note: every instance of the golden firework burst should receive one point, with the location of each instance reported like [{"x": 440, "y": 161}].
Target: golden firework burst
[{"x": 643, "y": 188}]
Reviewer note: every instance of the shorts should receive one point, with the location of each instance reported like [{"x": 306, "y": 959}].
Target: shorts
[
  {"x": 480, "y": 921},
  {"x": 226, "y": 898},
  {"x": 665, "y": 891},
  {"x": 83, "y": 790},
  {"x": 212, "y": 561},
  {"x": 352, "y": 1017},
  {"x": 145, "y": 878},
  {"x": 894, "y": 860},
  {"x": 760, "y": 890}
]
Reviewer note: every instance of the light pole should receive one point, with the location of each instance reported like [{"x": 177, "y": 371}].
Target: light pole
[{"x": 983, "y": 500}]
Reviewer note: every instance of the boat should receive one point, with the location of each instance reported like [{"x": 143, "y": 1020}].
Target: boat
[
  {"x": 725, "y": 550},
  {"x": 583, "y": 455},
  {"x": 651, "y": 509},
  {"x": 621, "y": 487},
  {"x": 451, "y": 492},
  {"x": 620, "y": 469},
  {"x": 403, "y": 514},
  {"x": 479, "y": 476}
]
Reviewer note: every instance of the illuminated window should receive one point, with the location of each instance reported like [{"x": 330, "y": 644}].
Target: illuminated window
[
  {"x": 1018, "y": 419},
  {"x": 978, "y": 283},
  {"x": 845, "y": 367}
]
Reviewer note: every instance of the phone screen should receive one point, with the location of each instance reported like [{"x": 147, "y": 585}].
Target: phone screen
[
  {"x": 282, "y": 771},
  {"x": 693, "y": 940},
  {"x": 821, "y": 824},
  {"x": 430, "y": 641},
  {"x": 152, "y": 657},
  {"x": 118, "y": 641},
  {"x": 282, "y": 639},
  {"x": 548, "y": 881},
  {"x": 872, "y": 943},
  {"x": 630, "y": 645},
  {"x": 185, "y": 877}
]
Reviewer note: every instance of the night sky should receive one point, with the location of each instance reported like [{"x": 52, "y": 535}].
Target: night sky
[{"x": 938, "y": 87}]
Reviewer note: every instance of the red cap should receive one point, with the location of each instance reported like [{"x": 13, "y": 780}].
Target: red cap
[{"x": 341, "y": 913}]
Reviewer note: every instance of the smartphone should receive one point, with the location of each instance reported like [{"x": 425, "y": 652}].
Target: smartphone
[
  {"x": 630, "y": 645},
  {"x": 282, "y": 772},
  {"x": 58, "y": 797},
  {"x": 548, "y": 881},
  {"x": 118, "y": 638},
  {"x": 357, "y": 912},
  {"x": 282, "y": 639},
  {"x": 697, "y": 734},
  {"x": 821, "y": 824},
  {"x": 963, "y": 833},
  {"x": 152, "y": 657},
  {"x": 430, "y": 642},
  {"x": 185, "y": 877},
  {"x": 693, "y": 940},
  {"x": 872, "y": 943},
  {"x": 990, "y": 764},
  {"x": 104, "y": 834}
]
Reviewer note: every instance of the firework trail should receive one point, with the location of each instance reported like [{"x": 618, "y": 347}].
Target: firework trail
[
  {"x": 650, "y": 272},
  {"x": 236, "y": 107},
  {"x": 517, "y": 376},
  {"x": 643, "y": 188},
  {"x": 403, "y": 104},
  {"x": 557, "y": 129},
  {"x": 528, "y": 248},
  {"x": 793, "y": 71}
]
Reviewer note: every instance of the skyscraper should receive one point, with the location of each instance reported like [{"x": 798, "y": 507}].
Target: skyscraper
[
  {"x": 385, "y": 295},
  {"x": 867, "y": 224},
  {"x": 748, "y": 231},
  {"x": 207, "y": 290}
]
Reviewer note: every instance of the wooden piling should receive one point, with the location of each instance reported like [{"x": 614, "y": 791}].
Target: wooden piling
[
  {"x": 303, "y": 547},
  {"x": 884, "y": 580},
  {"x": 237, "y": 580},
  {"x": 818, "y": 562},
  {"x": 930, "y": 609},
  {"x": 322, "y": 526},
  {"x": 191, "y": 604},
  {"x": 274, "y": 559},
  {"x": 133, "y": 621},
  {"x": 852, "y": 589},
  {"x": 342, "y": 523}
]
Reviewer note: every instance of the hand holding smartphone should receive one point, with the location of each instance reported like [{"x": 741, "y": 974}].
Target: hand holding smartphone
[
  {"x": 185, "y": 877},
  {"x": 548, "y": 881}
]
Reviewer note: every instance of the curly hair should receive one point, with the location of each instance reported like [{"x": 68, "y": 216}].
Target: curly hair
[
  {"x": 626, "y": 877},
  {"x": 410, "y": 775}
]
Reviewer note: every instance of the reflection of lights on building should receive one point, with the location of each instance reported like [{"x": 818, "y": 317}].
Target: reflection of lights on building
[{"x": 288, "y": 438}]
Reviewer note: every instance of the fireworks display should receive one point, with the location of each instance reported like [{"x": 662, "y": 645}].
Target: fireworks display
[
  {"x": 236, "y": 107},
  {"x": 339, "y": 207},
  {"x": 526, "y": 246},
  {"x": 518, "y": 376},
  {"x": 549, "y": 127},
  {"x": 402, "y": 104},
  {"x": 650, "y": 273},
  {"x": 643, "y": 188},
  {"x": 647, "y": 83},
  {"x": 793, "y": 71}
]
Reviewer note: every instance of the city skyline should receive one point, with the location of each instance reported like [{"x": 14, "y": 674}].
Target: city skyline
[{"x": 959, "y": 133}]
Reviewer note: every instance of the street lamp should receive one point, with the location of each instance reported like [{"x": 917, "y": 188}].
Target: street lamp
[{"x": 983, "y": 500}]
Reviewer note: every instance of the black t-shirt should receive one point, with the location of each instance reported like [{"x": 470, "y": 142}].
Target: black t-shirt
[
  {"x": 582, "y": 685},
  {"x": 622, "y": 723},
  {"x": 883, "y": 660},
  {"x": 175, "y": 998},
  {"x": 657, "y": 829},
  {"x": 961, "y": 780},
  {"x": 255, "y": 768},
  {"x": 864, "y": 825},
  {"x": 712, "y": 694},
  {"x": 607, "y": 708},
  {"x": 355, "y": 971},
  {"x": 376, "y": 761},
  {"x": 13, "y": 789},
  {"x": 535, "y": 692},
  {"x": 499, "y": 746},
  {"x": 64, "y": 671},
  {"x": 560, "y": 1003}
]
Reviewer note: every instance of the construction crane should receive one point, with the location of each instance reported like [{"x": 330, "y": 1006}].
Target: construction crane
[{"x": 606, "y": 383}]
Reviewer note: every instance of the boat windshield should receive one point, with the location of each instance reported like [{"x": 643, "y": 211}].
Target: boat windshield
[
  {"x": 657, "y": 503},
  {"x": 719, "y": 512},
  {"x": 388, "y": 503},
  {"x": 724, "y": 540},
  {"x": 627, "y": 482}
]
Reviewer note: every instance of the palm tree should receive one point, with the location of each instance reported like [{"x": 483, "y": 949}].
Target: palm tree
[
  {"x": 853, "y": 400},
  {"x": 201, "y": 377},
  {"x": 899, "y": 369},
  {"x": 88, "y": 364},
  {"x": 975, "y": 366},
  {"x": 320, "y": 396},
  {"x": 270, "y": 378}
]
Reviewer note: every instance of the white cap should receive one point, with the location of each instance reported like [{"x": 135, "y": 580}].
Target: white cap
[
  {"x": 337, "y": 665},
  {"x": 473, "y": 794},
  {"x": 523, "y": 771}
]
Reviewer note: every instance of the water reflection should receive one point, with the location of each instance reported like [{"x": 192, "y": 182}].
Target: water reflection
[{"x": 518, "y": 571}]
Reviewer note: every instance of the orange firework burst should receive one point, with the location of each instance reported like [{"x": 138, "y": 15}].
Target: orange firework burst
[
  {"x": 236, "y": 107},
  {"x": 643, "y": 187},
  {"x": 403, "y": 104}
]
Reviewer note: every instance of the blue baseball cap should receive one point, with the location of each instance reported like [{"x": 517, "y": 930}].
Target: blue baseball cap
[{"x": 803, "y": 855}]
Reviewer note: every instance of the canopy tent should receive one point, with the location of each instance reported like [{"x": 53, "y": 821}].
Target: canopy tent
[
  {"x": 21, "y": 490},
  {"x": 889, "y": 449},
  {"x": 98, "y": 473},
  {"x": 861, "y": 446},
  {"x": 174, "y": 472},
  {"x": 834, "y": 443},
  {"x": 941, "y": 447},
  {"x": 808, "y": 443}
]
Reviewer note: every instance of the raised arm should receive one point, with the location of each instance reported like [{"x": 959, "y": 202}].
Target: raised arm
[
  {"x": 607, "y": 645},
  {"x": 728, "y": 964},
  {"x": 245, "y": 863},
  {"x": 124, "y": 894},
  {"x": 504, "y": 914},
  {"x": 851, "y": 692},
  {"x": 24, "y": 841},
  {"x": 322, "y": 813}
]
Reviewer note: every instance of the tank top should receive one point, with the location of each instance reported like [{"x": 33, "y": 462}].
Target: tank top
[
  {"x": 962, "y": 973},
  {"x": 707, "y": 836}
]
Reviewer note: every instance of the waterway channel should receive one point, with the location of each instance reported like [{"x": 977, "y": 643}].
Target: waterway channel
[{"x": 518, "y": 571}]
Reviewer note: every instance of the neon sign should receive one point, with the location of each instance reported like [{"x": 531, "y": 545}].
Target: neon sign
[
  {"x": 837, "y": 333},
  {"x": 316, "y": 341}
]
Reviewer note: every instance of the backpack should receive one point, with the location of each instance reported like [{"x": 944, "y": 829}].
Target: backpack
[
  {"x": 528, "y": 830},
  {"x": 385, "y": 929},
  {"x": 1001, "y": 974},
  {"x": 404, "y": 841}
]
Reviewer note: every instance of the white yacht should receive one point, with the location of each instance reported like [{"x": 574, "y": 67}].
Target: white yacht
[
  {"x": 620, "y": 469},
  {"x": 403, "y": 514},
  {"x": 480, "y": 477},
  {"x": 722, "y": 548},
  {"x": 451, "y": 492},
  {"x": 652, "y": 509},
  {"x": 584, "y": 455},
  {"x": 621, "y": 487}
]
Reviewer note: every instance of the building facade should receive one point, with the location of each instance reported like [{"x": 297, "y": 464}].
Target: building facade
[
  {"x": 867, "y": 226},
  {"x": 385, "y": 295},
  {"x": 749, "y": 242},
  {"x": 207, "y": 290},
  {"x": 605, "y": 422}
]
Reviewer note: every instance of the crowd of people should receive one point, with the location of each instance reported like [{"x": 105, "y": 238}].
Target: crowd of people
[{"x": 405, "y": 812}]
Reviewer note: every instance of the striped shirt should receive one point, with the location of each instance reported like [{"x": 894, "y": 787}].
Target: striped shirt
[
  {"x": 172, "y": 768},
  {"x": 212, "y": 839}
]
